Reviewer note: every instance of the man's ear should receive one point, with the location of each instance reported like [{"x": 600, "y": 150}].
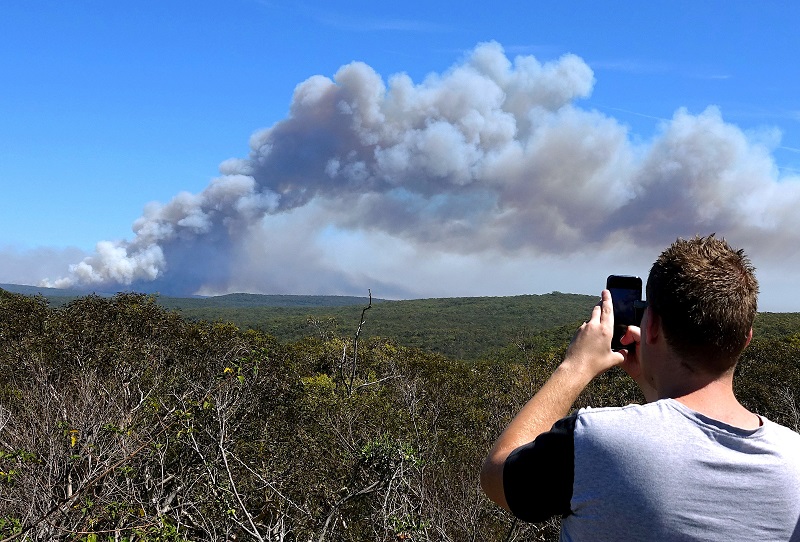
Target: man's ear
[
  {"x": 749, "y": 337},
  {"x": 653, "y": 326}
]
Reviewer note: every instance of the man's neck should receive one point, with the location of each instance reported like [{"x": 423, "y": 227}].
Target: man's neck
[{"x": 716, "y": 400}]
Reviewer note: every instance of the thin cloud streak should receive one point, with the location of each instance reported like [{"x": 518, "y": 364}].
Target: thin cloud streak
[
  {"x": 633, "y": 66},
  {"x": 362, "y": 24},
  {"x": 629, "y": 112},
  {"x": 648, "y": 67}
]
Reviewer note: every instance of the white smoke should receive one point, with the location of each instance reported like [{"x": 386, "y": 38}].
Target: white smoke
[
  {"x": 23, "y": 266},
  {"x": 490, "y": 159}
]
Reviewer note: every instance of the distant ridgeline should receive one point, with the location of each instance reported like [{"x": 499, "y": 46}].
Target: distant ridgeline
[
  {"x": 57, "y": 296},
  {"x": 468, "y": 328},
  {"x": 54, "y": 295}
]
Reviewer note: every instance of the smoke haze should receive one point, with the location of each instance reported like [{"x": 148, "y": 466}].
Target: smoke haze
[{"x": 488, "y": 173}]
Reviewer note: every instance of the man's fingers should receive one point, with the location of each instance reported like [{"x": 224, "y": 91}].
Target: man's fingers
[
  {"x": 632, "y": 335},
  {"x": 597, "y": 315},
  {"x": 607, "y": 305},
  {"x": 606, "y": 309}
]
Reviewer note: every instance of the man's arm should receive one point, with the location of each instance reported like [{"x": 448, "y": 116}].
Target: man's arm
[{"x": 589, "y": 354}]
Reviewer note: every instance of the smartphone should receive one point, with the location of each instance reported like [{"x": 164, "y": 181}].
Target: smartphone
[{"x": 626, "y": 294}]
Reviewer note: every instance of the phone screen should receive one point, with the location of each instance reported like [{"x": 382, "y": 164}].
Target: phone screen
[{"x": 625, "y": 292}]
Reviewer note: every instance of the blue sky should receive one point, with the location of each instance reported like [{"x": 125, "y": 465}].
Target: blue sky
[{"x": 107, "y": 106}]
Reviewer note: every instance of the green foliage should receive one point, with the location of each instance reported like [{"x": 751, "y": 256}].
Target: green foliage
[
  {"x": 772, "y": 326},
  {"x": 121, "y": 420},
  {"x": 10, "y": 526},
  {"x": 767, "y": 380},
  {"x": 464, "y": 328}
]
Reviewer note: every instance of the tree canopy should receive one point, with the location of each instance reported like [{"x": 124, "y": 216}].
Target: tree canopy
[{"x": 123, "y": 420}]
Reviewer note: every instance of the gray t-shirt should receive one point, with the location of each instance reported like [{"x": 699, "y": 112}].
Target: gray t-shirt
[{"x": 661, "y": 471}]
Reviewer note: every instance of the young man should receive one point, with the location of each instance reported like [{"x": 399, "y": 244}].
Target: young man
[{"x": 692, "y": 463}]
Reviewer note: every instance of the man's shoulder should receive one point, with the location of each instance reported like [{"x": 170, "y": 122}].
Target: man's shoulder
[
  {"x": 632, "y": 411},
  {"x": 668, "y": 419},
  {"x": 617, "y": 425},
  {"x": 782, "y": 434}
]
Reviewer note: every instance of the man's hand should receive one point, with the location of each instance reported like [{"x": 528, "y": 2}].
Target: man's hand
[
  {"x": 590, "y": 349},
  {"x": 632, "y": 364}
]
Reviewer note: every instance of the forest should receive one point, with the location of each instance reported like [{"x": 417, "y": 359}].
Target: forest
[{"x": 123, "y": 419}]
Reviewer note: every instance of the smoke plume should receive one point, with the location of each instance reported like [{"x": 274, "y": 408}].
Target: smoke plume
[{"x": 493, "y": 158}]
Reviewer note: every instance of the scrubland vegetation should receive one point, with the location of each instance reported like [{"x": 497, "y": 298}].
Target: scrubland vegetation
[{"x": 123, "y": 420}]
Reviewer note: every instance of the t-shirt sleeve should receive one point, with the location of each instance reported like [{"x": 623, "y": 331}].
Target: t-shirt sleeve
[{"x": 538, "y": 476}]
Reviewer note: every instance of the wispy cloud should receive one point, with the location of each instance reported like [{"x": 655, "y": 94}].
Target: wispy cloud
[
  {"x": 538, "y": 50},
  {"x": 360, "y": 23},
  {"x": 712, "y": 76},
  {"x": 629, "y": 112},
  {"x": 632, "y": 66},
  {"x": 765, "y": 114},
  {"x": 646, "y": 67},
  {"x": 355, "y": 22}
]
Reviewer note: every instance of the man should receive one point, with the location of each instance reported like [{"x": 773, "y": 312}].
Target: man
[{"x": 690, "y": 464}]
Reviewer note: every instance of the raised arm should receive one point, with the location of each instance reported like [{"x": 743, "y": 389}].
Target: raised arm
[{"x": 589, "y": 354}]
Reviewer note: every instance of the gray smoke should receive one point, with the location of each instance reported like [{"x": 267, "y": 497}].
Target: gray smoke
[{"x": 491, "y": 158}]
